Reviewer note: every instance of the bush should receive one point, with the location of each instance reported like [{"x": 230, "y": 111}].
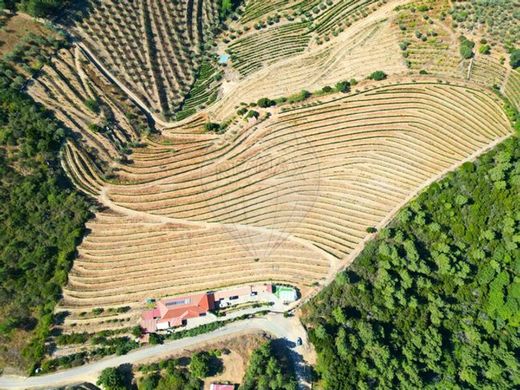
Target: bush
[
  {"x": 327, "y": 89},
  {"x": 111, "y": 379},
  {"x": 156, "y": 339},
  {"x": 466, "y": 47},
  {"x": 343, "y": 86},
  {"x": 265, "y": 102},
  {"x": 73, "y": 338},
  {"x": 92, "y": 105},
  {"x": 253, "y": 114},
  {"x": 212, "y": 126},
  {"x": 514, "y": 58},
  {"x": 137, "y": 331},
  {"x": 299, "y": 97},
  {"x": 484, "y": 49},
  {"x": 378, "y": 75},
  {"x": 200, "y": 364}
]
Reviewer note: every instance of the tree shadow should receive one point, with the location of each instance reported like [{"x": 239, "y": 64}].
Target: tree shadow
[
  {"x": 215, "y": 365},
  {"x": 128, "y": 376},
  {"x": 290, "y": 358}
]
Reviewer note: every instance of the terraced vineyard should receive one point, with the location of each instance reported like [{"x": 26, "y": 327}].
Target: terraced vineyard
[
  {"x": 368, "y": 45},
  {"x": 250, "y": 53},
  {"x": 488, "y": 71},
  {"x": 288, "y": 199},
  {"x": 104, "y": 121},
  {"x": 512, "y": 88},
  {"x": 152, "y": 46},
  {"x": 257, "y": 9}
]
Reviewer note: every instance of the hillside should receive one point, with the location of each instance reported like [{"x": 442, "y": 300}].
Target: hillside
[{"x": 227, "y": 143}]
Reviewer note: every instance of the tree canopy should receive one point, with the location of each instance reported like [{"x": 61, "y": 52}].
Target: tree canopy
[
  {"x": 378, "y": 75},
  {"x": 515, "y": 58},
  {"x": 41, "y": 217},
  {"x": 111, "y": 379},
  {"x": 37, "y": 8},
  {"x": 266, "y": 371}
]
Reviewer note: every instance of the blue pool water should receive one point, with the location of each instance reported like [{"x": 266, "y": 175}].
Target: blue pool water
[{"x": 223, "y": 59}]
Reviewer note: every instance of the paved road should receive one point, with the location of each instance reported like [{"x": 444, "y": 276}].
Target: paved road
[{"x": 287, "y": 329}]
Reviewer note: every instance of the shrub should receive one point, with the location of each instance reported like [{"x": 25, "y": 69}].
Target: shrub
[
  {"x": 111, "y": 379},
  {"x": 299, "y": 97},
  {"x": 484, "y": 49},
  {"x": 92, "y": 105},
  {"x": 200, "y": 364},
  {"x": 466, "y": 47},
  {"x": 123, "y": 309},
  {"x": 156, "y": 339},
  {"x": 265, "y": 102},
  {"x": 137, "y": 331},
  {"x": 343, "y": 86},
  {"x": 253, "y": 114},
  {"x": 515, "y": 58},
  {"x": 327, "y": 89},
  {"x": 378, "y": 75},
  {"x": 212, "y": 126},
  {"x": 95, "y": 128}
]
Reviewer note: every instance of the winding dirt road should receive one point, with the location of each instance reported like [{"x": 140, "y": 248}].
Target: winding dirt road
[{"x": 287, "y": 329}]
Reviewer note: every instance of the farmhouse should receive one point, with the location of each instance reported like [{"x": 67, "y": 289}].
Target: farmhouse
[{"x": 175, "y": 312}]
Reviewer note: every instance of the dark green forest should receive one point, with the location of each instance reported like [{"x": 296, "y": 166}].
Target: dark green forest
[
  {"x": 268, "y": 370},
  {"x": 41, "y": 220},
  {"x": 434, "y": 300},
  {"x": 38, "y": 8}
]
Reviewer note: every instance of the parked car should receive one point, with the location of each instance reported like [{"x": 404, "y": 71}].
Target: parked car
[{"x": 299, "y": 341}]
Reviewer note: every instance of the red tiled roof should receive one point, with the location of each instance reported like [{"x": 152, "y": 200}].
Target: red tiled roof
[
  {"x": 215, "y": 386},
  {"x": 149, "y": 325},
  {"x": 176, "y": 309},
  {"x": 150, "y": 314}
]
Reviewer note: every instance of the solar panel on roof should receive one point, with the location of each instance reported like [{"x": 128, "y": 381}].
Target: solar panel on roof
[{"x": 178, "y": 302}]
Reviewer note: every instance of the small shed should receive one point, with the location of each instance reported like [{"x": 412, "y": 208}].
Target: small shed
[{"x": 216, "y": 386}]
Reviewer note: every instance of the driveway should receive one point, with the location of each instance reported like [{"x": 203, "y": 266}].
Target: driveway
[{"x": 286, "y": 329}]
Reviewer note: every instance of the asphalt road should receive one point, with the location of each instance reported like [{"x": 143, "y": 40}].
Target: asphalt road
[{"x": 286, "y": 329}]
